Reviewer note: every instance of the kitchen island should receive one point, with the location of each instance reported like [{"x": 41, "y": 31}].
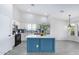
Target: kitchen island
[{"x": 37, "y": 43}]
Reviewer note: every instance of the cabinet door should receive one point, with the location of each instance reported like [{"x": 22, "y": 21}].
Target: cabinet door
[
  {"x": 32, "y": 45},
  {"x": 47, "y": 45}
]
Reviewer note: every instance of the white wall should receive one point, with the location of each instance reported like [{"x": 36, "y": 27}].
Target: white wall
[
  {"x": 58, "y": 28},
  {"x": 6, "y": 43},
  {"x": 16, "y": 13}
]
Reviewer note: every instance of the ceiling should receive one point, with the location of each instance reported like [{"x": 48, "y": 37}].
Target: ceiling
[{"x": 59, "y": 11}]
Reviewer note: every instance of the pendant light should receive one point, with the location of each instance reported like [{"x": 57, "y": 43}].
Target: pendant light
[
  {"x": 69, "y": 25},
  {"x": 32, "y": 4}
]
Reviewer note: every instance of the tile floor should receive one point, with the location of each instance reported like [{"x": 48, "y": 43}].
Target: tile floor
[{"x": 63, "y": 47}]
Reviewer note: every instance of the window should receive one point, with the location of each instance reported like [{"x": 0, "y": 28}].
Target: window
[{"x": 31, "y": 27}]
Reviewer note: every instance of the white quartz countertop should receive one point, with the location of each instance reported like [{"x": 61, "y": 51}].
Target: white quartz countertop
[{"x": 38, "y": 36}]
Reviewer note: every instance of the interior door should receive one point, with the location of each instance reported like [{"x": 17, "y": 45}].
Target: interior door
[{"x": 33, "y": 45}]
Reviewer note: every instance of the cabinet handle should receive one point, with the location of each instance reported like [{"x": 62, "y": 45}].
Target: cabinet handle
[{"x": 37, "y": 46}]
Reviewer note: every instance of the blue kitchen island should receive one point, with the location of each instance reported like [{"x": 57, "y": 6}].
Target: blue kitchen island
[{"x": 36, "y": 43}]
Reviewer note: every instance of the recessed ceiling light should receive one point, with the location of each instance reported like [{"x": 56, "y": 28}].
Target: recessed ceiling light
[
  {"x": 62, "y": 11},
  {"x": 32, "y": 4}
]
